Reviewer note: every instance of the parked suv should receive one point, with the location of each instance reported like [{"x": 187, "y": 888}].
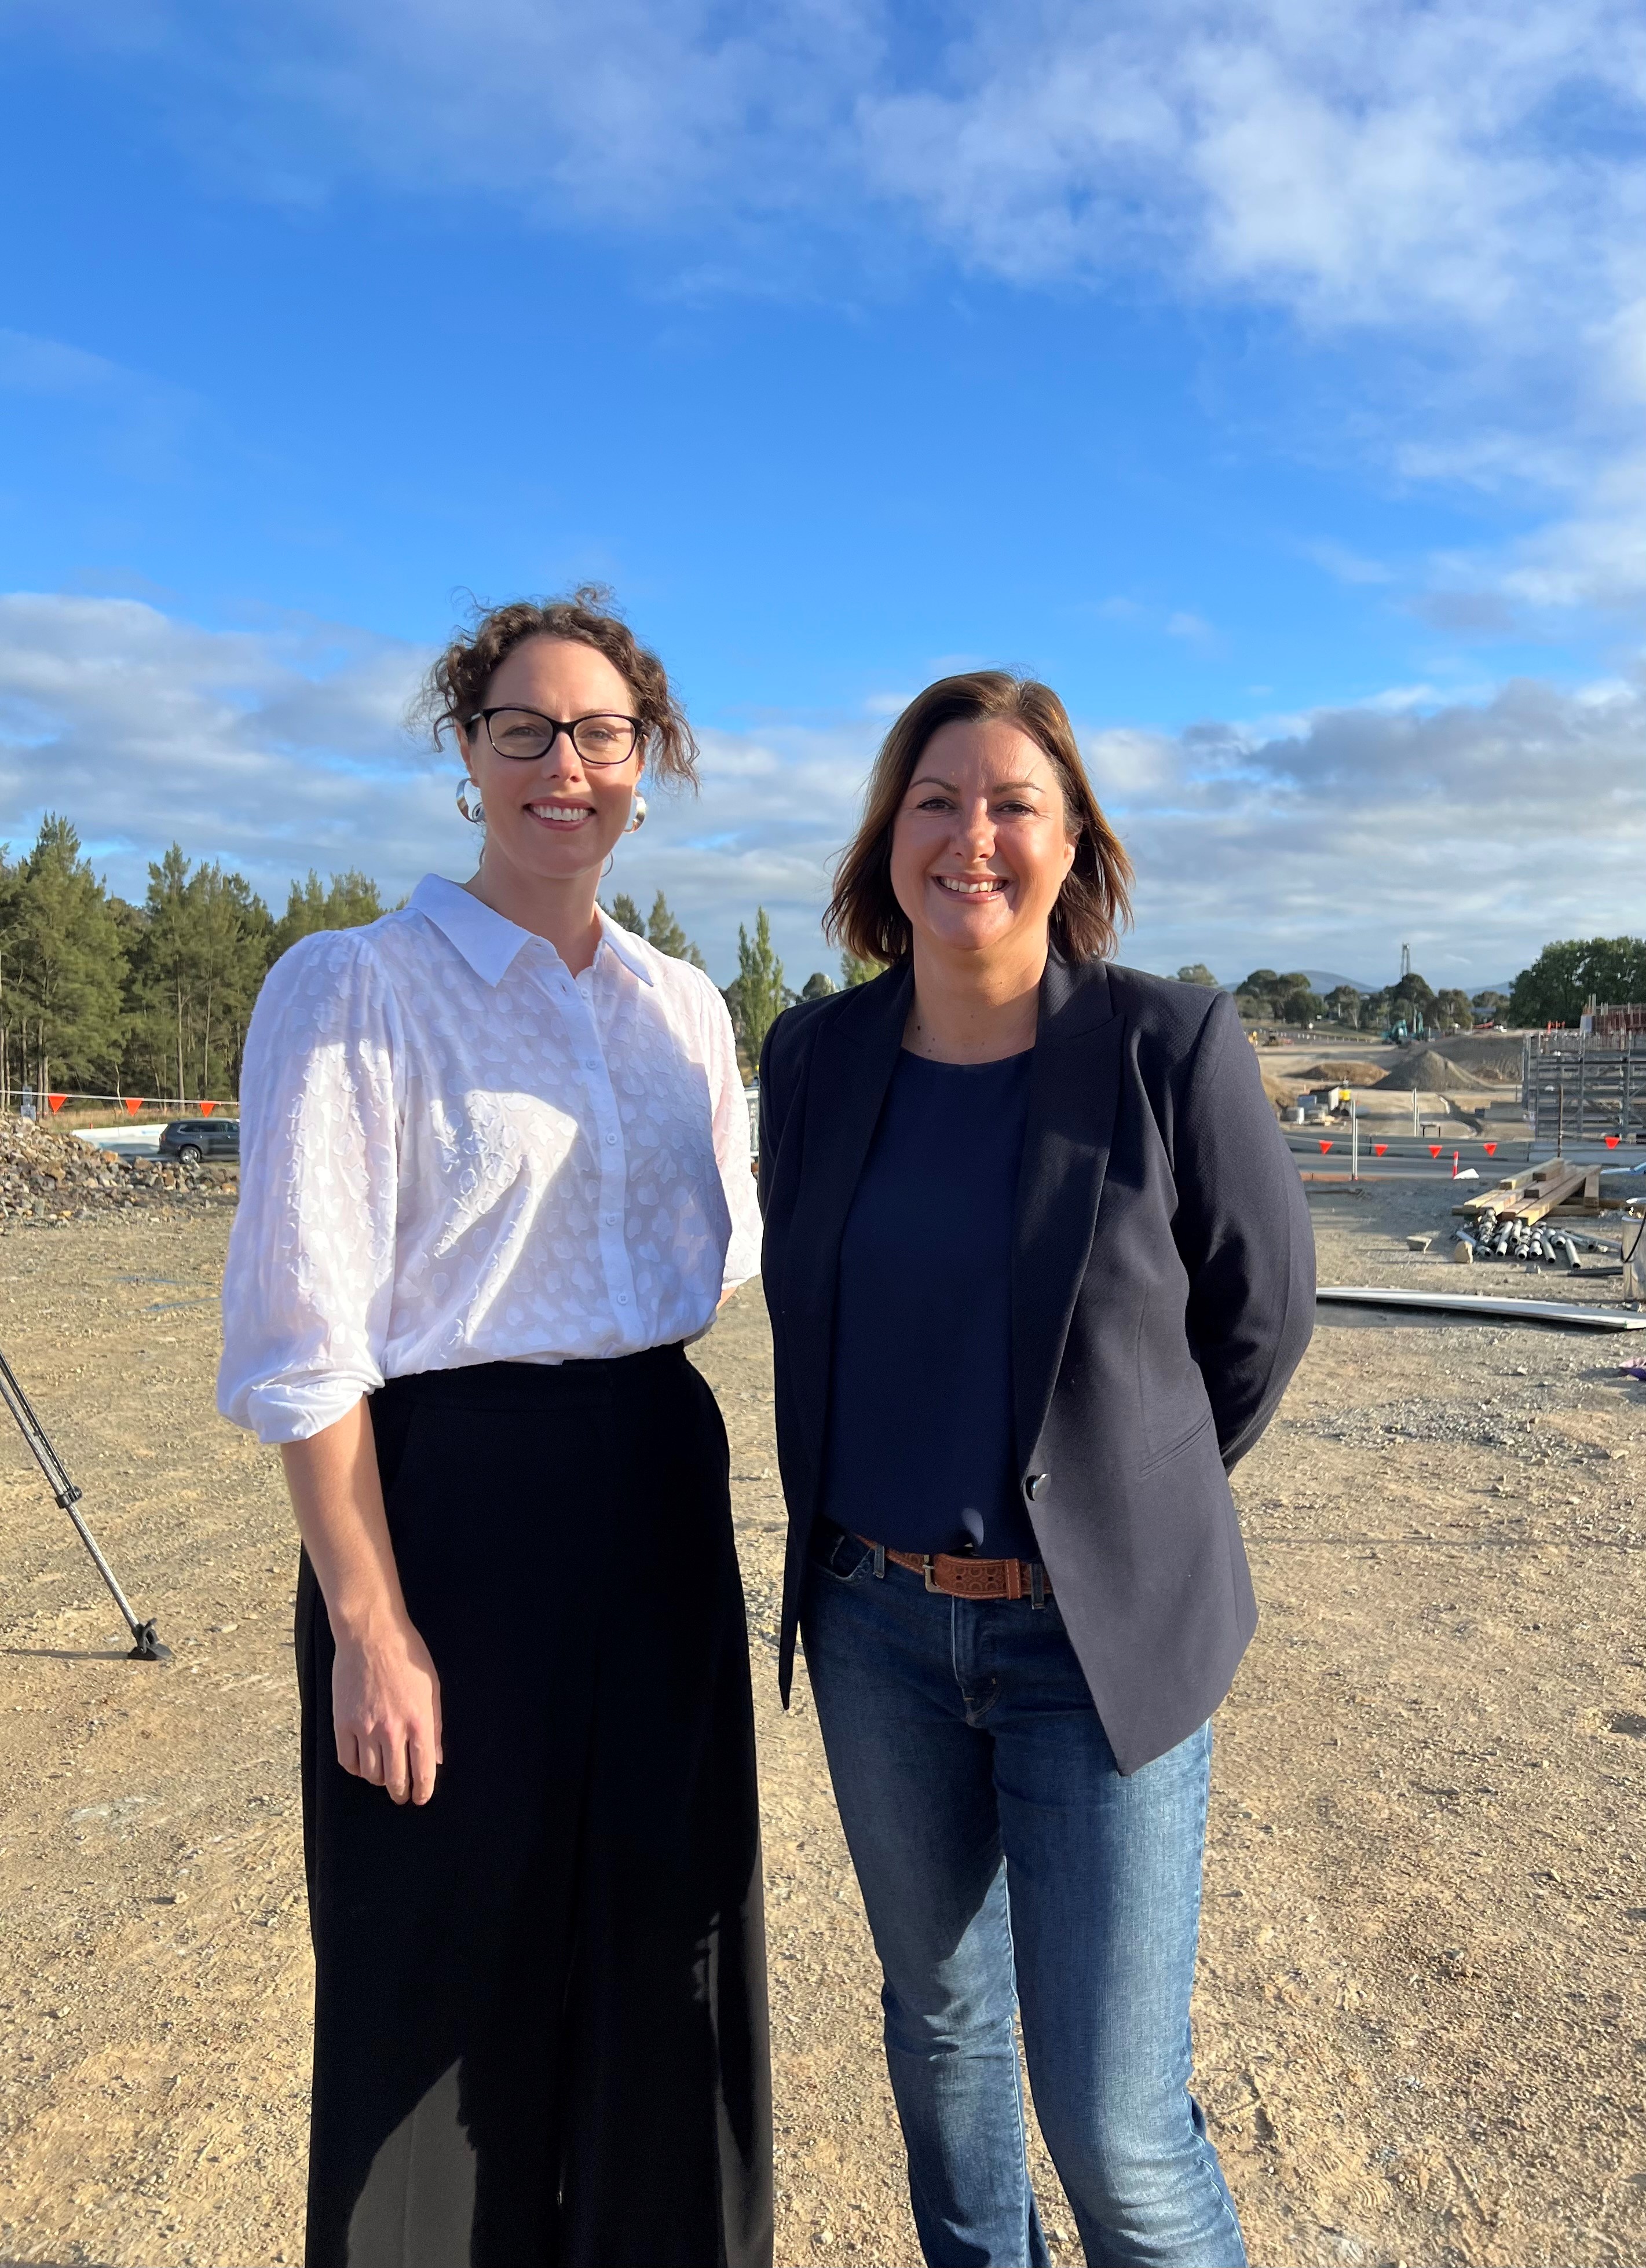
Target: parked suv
[{"x": 189, "y": 1140}]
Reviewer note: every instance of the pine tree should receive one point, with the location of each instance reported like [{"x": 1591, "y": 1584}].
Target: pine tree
[
  {"x": 627, "y": 915},
  {"x": 817, "y": 986},
  {"x": 757, "y": 996},
  {"x": 665, "y": 933},
  {"x": 350, "y": 901},
  {"x": 204, "y": 946},
  {"x": 854, "y": 971},
  {"x": 12, "y": 997},
  {"x": 70, "y": 963}
]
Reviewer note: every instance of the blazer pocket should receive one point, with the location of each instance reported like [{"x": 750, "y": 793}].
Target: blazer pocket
[{"x": 1164, "y": 1456}]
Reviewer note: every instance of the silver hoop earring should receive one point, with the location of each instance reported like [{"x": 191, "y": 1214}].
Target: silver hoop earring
[
  {"x": 637, "y": 817},
  {"x": 474, "y": 811}
]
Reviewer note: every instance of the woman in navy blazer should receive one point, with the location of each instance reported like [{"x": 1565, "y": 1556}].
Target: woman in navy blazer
[{"x": 1039, "y": 1267}]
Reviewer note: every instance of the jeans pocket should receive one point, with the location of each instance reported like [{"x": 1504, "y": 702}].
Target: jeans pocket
[{"x": 833, "y": 1552}]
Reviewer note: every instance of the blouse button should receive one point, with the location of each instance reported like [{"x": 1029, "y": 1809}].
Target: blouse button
[
  {"x": 610, "y": 1139},
  {"x": 622, "y": 1299}
]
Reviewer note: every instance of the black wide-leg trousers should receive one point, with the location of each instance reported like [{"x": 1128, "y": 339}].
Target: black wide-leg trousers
[{"x": 540, "y": 2037}]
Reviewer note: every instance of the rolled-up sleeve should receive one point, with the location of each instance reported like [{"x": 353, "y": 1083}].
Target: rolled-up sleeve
[
  {"x": 734, "y": 1148},
  {"x": 309, "y": 1286}
]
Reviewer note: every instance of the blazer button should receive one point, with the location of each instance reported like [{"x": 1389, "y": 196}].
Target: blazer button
[{"x": 1034, "y": 1484}]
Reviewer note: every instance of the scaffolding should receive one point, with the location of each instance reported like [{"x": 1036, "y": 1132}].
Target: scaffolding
[{"x": 1581, "y": 1086}]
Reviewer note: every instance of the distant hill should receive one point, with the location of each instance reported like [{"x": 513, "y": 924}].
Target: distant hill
[
  {"x": 1320, "y": 980},
  {"x": 1328, "y": 980}
]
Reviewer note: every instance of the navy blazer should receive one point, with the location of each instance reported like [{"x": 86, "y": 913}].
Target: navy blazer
[{"x": 1162, "y": 1294}]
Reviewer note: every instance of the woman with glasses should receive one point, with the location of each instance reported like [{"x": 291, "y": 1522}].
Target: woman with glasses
[
  {"x": 496, "y": 1177},
  {"x": 1038, "y": 1266}
]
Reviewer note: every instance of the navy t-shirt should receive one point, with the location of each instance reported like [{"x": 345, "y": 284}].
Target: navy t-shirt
[{"x": 920, "y": 1452}]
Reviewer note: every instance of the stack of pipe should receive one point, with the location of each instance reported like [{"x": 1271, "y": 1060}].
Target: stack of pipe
[{"x": 1493, "y": 1239}]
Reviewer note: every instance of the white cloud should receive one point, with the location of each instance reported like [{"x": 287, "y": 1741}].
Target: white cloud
[
  {"x": 281, "y": 750},
  {"x": 273, "y": 750},
  {"x": 1363, "y": 162},
  {"x": 1475, "y": 830},
  {"x": 1466, "y": 177}
]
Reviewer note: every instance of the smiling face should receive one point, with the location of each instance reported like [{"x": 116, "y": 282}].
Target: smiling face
[
  {"x": 981, "y": 843},
  {"x": 556, "y": 818}
]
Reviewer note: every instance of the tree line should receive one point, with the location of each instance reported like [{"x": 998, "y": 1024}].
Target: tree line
[
  {"x": 1269, "y": 996},
  {"x": 1556, "y": 989},
  {"x": 152, "y": 998},
  {"x": 104, "y": 996},
  {"x": 107, "y": 997}
]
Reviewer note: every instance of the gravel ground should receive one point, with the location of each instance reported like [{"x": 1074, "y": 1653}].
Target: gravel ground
[{"x": 1421, "y": 2026}]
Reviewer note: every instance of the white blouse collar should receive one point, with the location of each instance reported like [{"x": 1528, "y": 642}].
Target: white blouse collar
[{"x": 489, "y": 944}]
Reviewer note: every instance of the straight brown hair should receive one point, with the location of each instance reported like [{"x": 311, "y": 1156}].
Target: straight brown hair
[{"x": 1095, "y": 902}]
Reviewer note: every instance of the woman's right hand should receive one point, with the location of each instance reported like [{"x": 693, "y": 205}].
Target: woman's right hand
[
  {"x": 385, "y": 1695},
  {"x": 386, "y": 1711}
]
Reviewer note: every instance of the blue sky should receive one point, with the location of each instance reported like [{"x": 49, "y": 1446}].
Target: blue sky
[{"x": 1271, "y": 380}]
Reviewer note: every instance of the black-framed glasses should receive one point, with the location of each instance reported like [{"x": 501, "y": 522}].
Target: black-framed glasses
[{"x": 522, "y": 735}]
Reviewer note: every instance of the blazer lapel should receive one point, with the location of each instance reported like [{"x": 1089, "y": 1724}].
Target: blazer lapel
[
  {"x": 1074, "y": 1087},
  {"x": 852, "y": 1066}
]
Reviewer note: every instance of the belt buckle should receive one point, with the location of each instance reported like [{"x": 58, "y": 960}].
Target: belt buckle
[{"x": 926, "y": 1569}]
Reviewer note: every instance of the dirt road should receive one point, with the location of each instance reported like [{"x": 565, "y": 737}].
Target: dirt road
[{"x": 1421, "y": 2026}]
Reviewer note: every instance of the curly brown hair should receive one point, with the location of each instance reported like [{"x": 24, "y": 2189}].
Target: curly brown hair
[
  {"x": 1094, "y": 901},
  {"x": 455, "y": 686}
]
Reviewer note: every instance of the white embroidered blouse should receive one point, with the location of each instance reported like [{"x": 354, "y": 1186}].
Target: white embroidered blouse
[{"x": 455, "y": 1152}]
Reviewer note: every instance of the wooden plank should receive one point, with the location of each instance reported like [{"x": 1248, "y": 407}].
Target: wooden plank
[
  {"x": 1528, "y": 1197},
  {"x": 1588, "y": 1198},
  {"x": 1533, "y": 1194}
]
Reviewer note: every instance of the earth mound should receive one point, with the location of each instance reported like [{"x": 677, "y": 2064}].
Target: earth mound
[
  {"x": 1485, "y": 1057},
  {"x": 1342, "y": 1074},
  {"x": 1427, "y": 1071}
]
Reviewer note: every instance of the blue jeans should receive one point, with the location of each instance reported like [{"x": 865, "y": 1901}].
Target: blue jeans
[{"x": 1006, "y": 1866}]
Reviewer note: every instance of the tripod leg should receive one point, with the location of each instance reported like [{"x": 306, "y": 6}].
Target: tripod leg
[{"x": 147, "y": 1646}]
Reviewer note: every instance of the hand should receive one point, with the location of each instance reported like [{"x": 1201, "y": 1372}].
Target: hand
[{"x": 386, "y": 1711}]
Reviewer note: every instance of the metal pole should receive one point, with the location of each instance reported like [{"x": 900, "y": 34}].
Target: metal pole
[
  {"x": 1626, "y": 1109},
  {"x": 1355, "y": 1139},
  {"x": 146, "y": 1645},
  {"x": 1582, "y": 1088}
]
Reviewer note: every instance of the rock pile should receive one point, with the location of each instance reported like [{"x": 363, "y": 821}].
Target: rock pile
[{"x": 47, "y": 1177}]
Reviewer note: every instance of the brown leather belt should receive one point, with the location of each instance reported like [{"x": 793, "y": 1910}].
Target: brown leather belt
[{"x": 960, "y": 1578}]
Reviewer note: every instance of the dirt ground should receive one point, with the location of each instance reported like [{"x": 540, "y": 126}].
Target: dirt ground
[{"x": 1421, "y": 2028}]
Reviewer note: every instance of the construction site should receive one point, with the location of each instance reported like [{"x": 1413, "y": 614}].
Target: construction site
[{"x": 1421, "y": 2020}]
